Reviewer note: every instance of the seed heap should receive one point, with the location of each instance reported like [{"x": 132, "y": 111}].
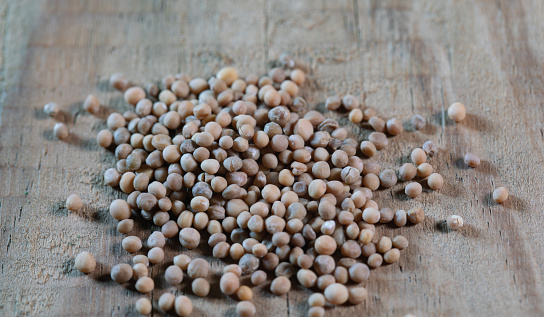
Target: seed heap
[{"x": 242, "y": 163}]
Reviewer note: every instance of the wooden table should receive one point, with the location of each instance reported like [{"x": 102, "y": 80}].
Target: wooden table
[{"x": 408, "y": 57}]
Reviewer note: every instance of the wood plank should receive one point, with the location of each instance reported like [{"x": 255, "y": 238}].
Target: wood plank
[{"x": 407, "y": 57}]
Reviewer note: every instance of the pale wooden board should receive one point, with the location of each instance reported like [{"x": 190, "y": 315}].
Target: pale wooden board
[{"x": 407, "y": 56}]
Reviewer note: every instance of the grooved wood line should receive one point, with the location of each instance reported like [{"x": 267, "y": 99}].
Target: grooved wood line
[{"x": 408, "y": 57}]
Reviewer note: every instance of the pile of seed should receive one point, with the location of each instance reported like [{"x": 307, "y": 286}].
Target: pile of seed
[{"x": 243, "y": 165}]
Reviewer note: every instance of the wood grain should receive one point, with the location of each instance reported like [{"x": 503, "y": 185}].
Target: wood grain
[{"x": 407, "y": 57}]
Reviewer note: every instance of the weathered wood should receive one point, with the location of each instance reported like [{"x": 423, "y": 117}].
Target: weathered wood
[{"x": 408, "y": 57}]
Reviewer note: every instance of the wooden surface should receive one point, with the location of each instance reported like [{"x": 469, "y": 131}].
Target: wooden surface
[{"x": 407, "y": 56}]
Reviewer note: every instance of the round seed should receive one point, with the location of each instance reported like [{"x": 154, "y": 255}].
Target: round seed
[
  {"x": 336, "y": 294},
  {"x": 85, "y": 262},
  {"x": 500, "y": 195},
  {"x": 457, "y": 112},
  {"x": 454, "y": 222}
]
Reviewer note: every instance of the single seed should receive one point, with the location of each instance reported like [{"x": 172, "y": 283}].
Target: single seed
[
  {"x": 201, "y": 287},
  {"x": 413, "y": 189},
  {"x": 144, "y": 284},
  {"x": 73, "y": 202},
  {"x": 143, "y": 306},
  {"x": 416, "y": 215},
  {"x": 418, "y": 156},
  {"x": 121, "y": 273},
  {"x": 435, "y": 181},
  {"x": 245, "y": 309},
  {"x": 454, "y": 222},
  {"x": 280, "y": 285},
  {"x": 457, "y": 112},
  {"x": 472, "y": 160},
  {"x": 500, "y": 195},
  {"x": 85, "y": 262},
  {"x": 336, "y": 294},
  {"x": 183, "y": 306},
  {"x": 61, "y": 131},
  {"x": 418, "y": 122}
]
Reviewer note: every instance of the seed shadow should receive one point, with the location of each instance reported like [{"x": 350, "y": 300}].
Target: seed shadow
[
  {"x": 401, "y": 195},
  {"x": 460, "y": 164},
  {"x": 67, "y": 267},
  {"x": 442, "y": 226},
  {"x": 59, "y": 209},
  {"x": 442, "y": 116},
  {"x": 104, "y": 85},
  {"x": 476, "y": 122}
]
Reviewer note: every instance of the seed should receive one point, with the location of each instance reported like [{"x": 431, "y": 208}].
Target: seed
[
  {"x": 400, "y": 242},
  {"x": 104, "y": 138},
  {"x": 418, "y": 122},
  {"x": 336, "y": 294},
  {"x": 228, "y": 75},
  {"x": 173, "y": 275},
  {"x": 166, "y": 301},
  {"x": 144, "y": 284},
  {"x": 73, "y": 202},
  {"x": 139, "y": 270},
  {"x": 357, "y": 295},
  {"x": 183, "y": 306},
  {"x": 454, "y": 222},
  {"x": 61, "y": 131},
  {"x": 384, "y": 245},
  {"x": 244, "y": 293},
  {"x": 457, "y": 112},
  {"x": 424, "y": 170},
  {"x": 306, "y": 278},
  {"x": 198, "y": 268},
  {"x": 377, "y": 123},
  {"x": 356, "y": 115},
  {"x": 375, "y": 260},
  {"x": 325, "y": 245},
  {"x": 52, "y": 109},
  {"x": 316, "y": 300},
  {"x": 413, "y": 189},
  {"x": 298, "y": 76},
  {"x": 388, "y": 178},
  {"x": 472, "y": 160},
  {"x": 85, "y": 262},
  {"x": 131, "y": 244},
  {"x": 189, "y": 238},
  {"x": 500, "y": 195},
  {"x": 245, "y": 309},
  {"x": 201, "y": 287},
  {"x": 182, "y": 261},
  {"x": 280, "y": 285},
  {"x": 333, "y": 103},
  {"x": 400, "y": 218},
  {"x": 435, "y": 181},
  {"x": 418, "y": 156},
  {"x": 391, "y": 256},
  {"x": 378, "y": 139},
  {"x": 430, "y": 148},
  {"x": 229, "y": 283},
  {"x": 416, "y": 215},
  {"x": 394, "y": 126},
  {"x": 121, "y": 273},
  {"x": 258, "y": 277},
  {"x": 125, "y": 226},
  {"x": 143, "y": 306},
  {"x": 119, "y": 209},
  {"x": 316, "y": 312},
  {"x": 371, "y": 215},
  {"x": 359, "y": 272}
]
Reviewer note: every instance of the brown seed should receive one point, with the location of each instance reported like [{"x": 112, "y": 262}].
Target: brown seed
[
  {"x": 407, "y": 171},
  {"x": 245, "y": 309},
  {"x": 416, "y": 215},
  {"x": 457, "y": 112},
  {"x": 183, "y": 306},
  {"x": 229, "y": 283},
  {"x": 435, "y": 181}
]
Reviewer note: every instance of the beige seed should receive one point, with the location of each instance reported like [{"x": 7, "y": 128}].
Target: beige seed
[
  {"x": 183, "y": 306},
  {"x": 229, "y": 283},
  {"x": 424, "y": 170},
  {"x": 435, "y": 181},
  {"x": 245, "y": 309},
  {"x": 413, "y": 189},
  {"x": 336, "y": 294},
  {"x": 500, "y": 195},
  {"x": 73, "y": 202},
  {"x": 200, "y": 287},
  {"x": 280, "y": 285},
  {"x": 85, "y": 262},
  {"x": 357, "y": 295},
  {"x": 454, "y": 222},
  {"x": 143, "y": 306},
  {"x": 144, "y": 284},
  {"x": 418, "y": 156},
  {"x": 457, "y": 112},
  {"x": 61, "y": 131},
  {"x": 131, "y": 244},
  {"x": 166, "y": 301}
]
